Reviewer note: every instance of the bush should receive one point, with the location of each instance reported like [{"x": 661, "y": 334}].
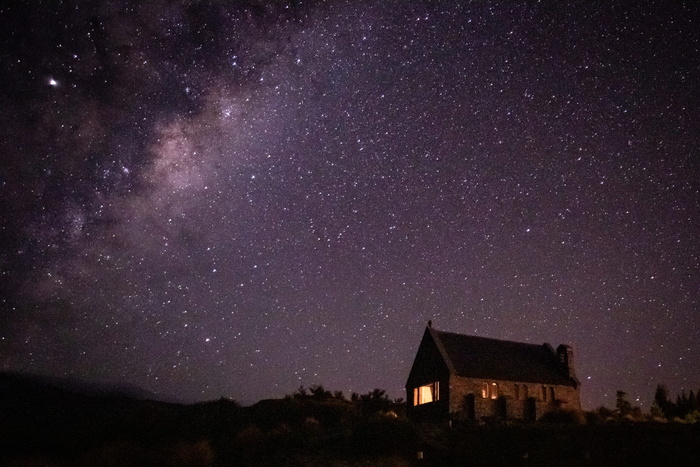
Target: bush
[
  {"x": 192, "y": 454},
  {"x": 693, "y": 417},
  {"x": 569, "y": 417},
  {"x": 593, "y": 418},
  {"x": 383, "y": 435}
]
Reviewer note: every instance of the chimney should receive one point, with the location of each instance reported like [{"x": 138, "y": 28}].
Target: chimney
[{"x": 566, "y": 359}]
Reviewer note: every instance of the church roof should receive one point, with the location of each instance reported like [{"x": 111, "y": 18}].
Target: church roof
[{"x": 485, "y": 358}]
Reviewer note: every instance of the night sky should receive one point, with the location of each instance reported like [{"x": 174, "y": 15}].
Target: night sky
[{"x": 210, "y": 199}]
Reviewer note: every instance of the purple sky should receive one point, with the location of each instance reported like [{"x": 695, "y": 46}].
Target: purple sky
[{"x": 213, "y": 199}]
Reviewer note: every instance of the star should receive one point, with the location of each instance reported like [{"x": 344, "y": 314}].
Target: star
[{"x": 305, "y": 186}]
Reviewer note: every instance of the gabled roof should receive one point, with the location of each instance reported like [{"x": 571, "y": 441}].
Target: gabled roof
[{"x": 485, "y": 358}]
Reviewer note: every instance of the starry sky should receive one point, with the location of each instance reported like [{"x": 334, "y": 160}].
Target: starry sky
[{"x": 210, "y": 198}]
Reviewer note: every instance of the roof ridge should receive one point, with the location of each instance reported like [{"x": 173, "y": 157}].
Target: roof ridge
[{"x": 470, "y": 336}]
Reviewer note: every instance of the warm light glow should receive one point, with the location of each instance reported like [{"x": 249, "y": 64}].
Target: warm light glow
[
  {"x": 427, "y": 393},
  {"x": 489, "y": 391}
]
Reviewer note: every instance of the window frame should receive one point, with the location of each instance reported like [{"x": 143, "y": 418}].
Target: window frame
[
  {"x": 490, "y": 390},
  {"x": 431, "y": 390}
]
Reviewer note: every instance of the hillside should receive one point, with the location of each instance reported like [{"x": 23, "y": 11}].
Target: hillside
[{"x": 43, "y": 424}]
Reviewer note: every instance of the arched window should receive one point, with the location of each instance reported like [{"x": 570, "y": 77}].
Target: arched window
[
  {"x": 544, "y": 393},
  {"x": 551, "y": 394},
  {"x": 489, "y": 391}
]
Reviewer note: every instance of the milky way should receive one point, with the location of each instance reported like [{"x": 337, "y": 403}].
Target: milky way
[{"x": 212, "y": 199}]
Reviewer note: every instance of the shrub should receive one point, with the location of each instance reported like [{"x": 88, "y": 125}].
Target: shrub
[
  {"x": 192, "y": 454},
  {"x": 593, "y": 418},
  {"x": 693, "y": 417},
  {"x": 383, "y": 435},
  {"x": 570, "y": 417}
]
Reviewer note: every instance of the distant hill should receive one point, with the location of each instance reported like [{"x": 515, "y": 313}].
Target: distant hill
[{"x": 29, "y": 383}]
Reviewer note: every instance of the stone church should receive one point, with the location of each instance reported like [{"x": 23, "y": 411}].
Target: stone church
[{"x": 458, "y": 377}]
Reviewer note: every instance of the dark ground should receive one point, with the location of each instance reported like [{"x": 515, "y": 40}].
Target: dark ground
[{"x": 44, "y": 425}]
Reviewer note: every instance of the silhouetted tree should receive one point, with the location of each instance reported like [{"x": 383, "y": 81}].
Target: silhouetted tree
[
  {"x": 661, "y": 395},
  {"x": 318, "y": 392},
  {"x": 661, "y": 399},
  {"x": 622, "y": 403},
  {"x": 374, "y": 401},
  {"x": 681, "y": 405},
  {"x": 692, "y": 402},
  {"x": 300, "y": 393},
  {"x": 655, "y": 411},
  {"x": 604, "y": 413}
]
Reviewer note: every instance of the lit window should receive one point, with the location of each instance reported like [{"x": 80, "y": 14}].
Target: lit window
[
  {"x": 425, "y": 394},
  {"x": 489, "y": 391}
]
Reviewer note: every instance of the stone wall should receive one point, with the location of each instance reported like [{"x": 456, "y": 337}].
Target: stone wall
[{"x": 514, "y": 400}]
